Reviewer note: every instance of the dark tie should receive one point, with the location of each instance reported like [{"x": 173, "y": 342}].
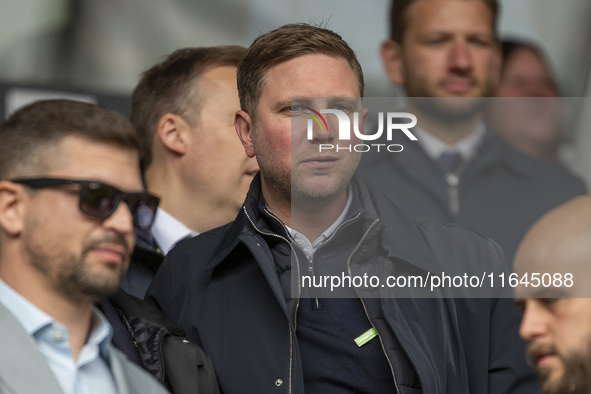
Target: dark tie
[{"x": 451, "y": 160}]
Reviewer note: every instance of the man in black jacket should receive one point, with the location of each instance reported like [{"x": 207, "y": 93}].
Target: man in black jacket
[
  {"x": 183, "y": 110},
  {"x": 243, "y": 290}
]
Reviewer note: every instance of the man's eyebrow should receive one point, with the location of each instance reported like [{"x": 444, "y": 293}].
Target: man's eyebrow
[
  {"x": 550, "y": 292},
  {"x": 278, "y": 106}
]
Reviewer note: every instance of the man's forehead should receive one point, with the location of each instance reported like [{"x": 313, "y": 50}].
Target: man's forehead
[
  {"x": 84, "y": 158},
  {"x": 307, "y": 70},
  {"x": 456, "y": 15}
]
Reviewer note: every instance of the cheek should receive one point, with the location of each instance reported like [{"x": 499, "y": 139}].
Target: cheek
[{"x": 424, "y": 62}]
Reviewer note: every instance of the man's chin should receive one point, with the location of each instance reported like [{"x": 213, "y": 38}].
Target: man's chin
[
  {"x": 568, "y": 377},
  {"x": 450, "y": 109}
]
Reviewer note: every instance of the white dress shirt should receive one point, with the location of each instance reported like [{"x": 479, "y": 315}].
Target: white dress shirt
[
  {"x": 168, "y": 231},
  {"x": 466, "y": 147}
]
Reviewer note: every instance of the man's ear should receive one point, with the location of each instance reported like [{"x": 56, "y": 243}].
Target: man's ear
[
  {"x": 11, "y": 208},
  {"x": 364, "y": 119},
  {"x": 391, "y": 53},
  {"x": 172, "y": 132},
  {"x": 243, "y": 126}
]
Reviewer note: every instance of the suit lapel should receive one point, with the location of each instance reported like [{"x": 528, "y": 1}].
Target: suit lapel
[
  {"x": 130, "y": 378},
  {"x": 119, "y": 373},
  {"x": 23, "y": 367}
]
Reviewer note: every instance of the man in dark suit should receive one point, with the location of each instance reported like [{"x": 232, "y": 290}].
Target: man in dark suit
[
  {"x": 183, "y": 110},
  {"x": 241, "y": 290},
  {"x": 70, "y": 194},
  {"x": 446, "y": 56}
]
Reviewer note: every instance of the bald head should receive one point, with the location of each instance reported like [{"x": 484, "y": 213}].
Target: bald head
[
  {"x": 560, "y": 242},
  {"x": 557, "y": 312}
]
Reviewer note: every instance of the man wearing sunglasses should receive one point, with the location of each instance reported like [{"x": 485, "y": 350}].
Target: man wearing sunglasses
[{"x": 70, "y": 194}]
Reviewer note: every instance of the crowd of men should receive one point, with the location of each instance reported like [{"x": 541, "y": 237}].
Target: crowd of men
[{"x": 168, "y": 253}]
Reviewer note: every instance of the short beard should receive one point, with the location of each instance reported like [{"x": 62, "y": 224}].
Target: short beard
[
  {"x": 576, "y": 378},
  {"x": 73, "y": 278}
]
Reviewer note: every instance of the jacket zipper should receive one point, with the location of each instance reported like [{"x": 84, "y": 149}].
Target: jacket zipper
[
  {"x": 363, "y": 303},
  {"x": 161, "y": 355},
  {"x": 298, "y": 300},
  {"x": 310, "y": 259}
]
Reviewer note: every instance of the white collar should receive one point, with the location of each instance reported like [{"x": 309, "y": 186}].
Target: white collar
[
  {"x": 310, "y": 247},
  {"x": 466, "y": 147}
]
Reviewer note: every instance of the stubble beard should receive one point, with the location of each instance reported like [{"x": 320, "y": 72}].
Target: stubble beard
[{"x": 71, "y": 275}]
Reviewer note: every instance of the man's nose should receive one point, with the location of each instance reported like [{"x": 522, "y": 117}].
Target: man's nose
[
  {"x": 121, "y": 220},
  {"x": 460, "y": 56},
  {"x": 533, "y": 323},
  {"x": 321, "y": 132}
]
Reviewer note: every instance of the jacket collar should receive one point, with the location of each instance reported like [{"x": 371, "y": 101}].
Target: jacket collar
[
  {"x": 401, "y": 236},
  {"x": 236, "y": 231}
]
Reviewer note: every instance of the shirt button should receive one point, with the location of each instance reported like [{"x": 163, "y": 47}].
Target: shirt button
[
  {"x": 58, "y": 335},
  {"x": 452, "y": 180},
  {"x": 278, "y": 382}
]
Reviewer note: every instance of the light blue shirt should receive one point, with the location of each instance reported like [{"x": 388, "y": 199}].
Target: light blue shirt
[{"x": 90, "y": 374}]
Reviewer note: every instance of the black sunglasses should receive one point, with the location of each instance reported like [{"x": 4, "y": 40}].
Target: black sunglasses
[{"x": 99, "y": 200}]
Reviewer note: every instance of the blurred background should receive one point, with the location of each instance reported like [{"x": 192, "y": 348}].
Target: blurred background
[{"x": 98, "y": 49}]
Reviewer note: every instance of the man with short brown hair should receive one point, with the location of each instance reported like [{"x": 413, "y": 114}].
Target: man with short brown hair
[
  {"x": 240, "y": 289},
  {"x": 70, "y": 195},
  {"x": 446, "y": 56},
  {"x": 183, "y": 109}
]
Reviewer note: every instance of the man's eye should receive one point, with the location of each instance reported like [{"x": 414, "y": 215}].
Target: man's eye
[
  {"x": 342, "y": 107},
  {"x": 481, "y": 43},
  {"x": 549, "y": 302},
  {"x": 435, "y": 42},
  {"x": 296, "y": 109}
]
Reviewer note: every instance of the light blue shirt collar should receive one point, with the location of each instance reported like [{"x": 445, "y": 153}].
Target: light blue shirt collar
[
  {"x": 35, "y": 321},
  {"x": 31, "y": 318},
  {"x": 89, "y": 374}
]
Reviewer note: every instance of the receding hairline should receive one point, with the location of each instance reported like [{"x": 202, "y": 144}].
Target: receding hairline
[{"x": 201, "y": 85}]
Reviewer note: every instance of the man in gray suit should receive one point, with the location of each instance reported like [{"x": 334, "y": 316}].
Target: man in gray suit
[{"x": 70, "y": 195}]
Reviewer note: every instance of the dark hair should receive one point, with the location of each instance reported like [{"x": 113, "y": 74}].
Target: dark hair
[
  {"x": 282, "y": 44},
  {"x": 398, "y": 20},
  {"x": 168, "y": 87},
  {"x": 29, "y": 134},
  {"x": 510, "y": 46}
]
